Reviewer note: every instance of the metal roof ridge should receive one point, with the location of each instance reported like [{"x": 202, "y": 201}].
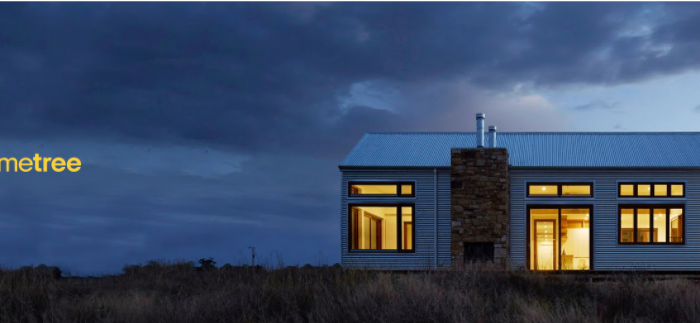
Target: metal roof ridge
[{"x": 539, "y": 133}]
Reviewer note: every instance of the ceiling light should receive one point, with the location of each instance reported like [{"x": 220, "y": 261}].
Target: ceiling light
[{"x": 544, "y": 188}]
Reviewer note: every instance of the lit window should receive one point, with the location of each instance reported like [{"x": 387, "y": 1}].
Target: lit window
[
  {"x": 407, "y": 228},
  {"x": 660, "y": 218},
  {"x": 677, "y": 190},
  {"x": 559, "y": 189},
  {"x": 544, "y": 190},
  {"x": 374, "y": 189},
  {"x": 626, "y": 190},
  {"x": 380, "y": 189},
  {"x": 651, "y": 190},
  {"x": 643, "y": 190},
  {"x": 643, "y": 225},
  {"x": 627, "y": 225},
  {"x": 660, "y": 190},
  {"x": 377, "y": 228},
  {"x": 576, "y": 190},
  {"x": 559, "y": 238},
  {"x": 676, "y": 223},
  {"x": 651, "y": 224}
]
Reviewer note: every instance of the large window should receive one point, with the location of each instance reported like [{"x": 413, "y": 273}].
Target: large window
[
  {"x": 381, "y": 227},
  {"x": 559, "y": 237},
  {"x": 381, "y": 188},
  {"x": 651, "y": 190},
  {"x": 651, "y": 224},
  {"x": 559, "y": 189}
]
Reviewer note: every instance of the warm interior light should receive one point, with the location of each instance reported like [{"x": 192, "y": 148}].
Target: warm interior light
[{"x": 543, "y": 188}]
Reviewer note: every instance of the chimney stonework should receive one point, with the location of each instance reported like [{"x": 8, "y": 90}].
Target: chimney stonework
[{"x": 480, "y": 203}]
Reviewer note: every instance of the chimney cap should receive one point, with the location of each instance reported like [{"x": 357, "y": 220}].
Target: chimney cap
[
  {"x": 492, "y": 128},
  {"x": 481, "y": 115}
]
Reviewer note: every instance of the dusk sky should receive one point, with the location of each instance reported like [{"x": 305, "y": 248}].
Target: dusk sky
[{"x": 205, "y": 128}]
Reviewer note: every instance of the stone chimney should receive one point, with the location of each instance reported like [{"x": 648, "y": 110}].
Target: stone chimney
[{"x": 480, "y": 206}]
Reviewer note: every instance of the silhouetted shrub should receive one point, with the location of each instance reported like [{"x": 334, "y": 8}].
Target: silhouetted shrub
[
  {"x": 207, "y": 264},
  {"x": 176, "y": 292}
]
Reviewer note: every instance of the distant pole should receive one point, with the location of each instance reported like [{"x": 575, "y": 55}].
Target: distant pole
[{"x": 252, "y": 253}]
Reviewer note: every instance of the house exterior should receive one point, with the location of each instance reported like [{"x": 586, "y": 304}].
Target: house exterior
[{"x": 534, "y": 201}]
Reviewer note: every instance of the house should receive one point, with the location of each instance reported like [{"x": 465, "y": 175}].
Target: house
[{"x": 536, "y": 201}]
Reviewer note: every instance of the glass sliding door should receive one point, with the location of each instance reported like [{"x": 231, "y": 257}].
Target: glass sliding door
[
  {"x": 544, "y": 239},
  {"x": 545, "y": 257},
  {"x": 575, "y": 239},
  {"x": 559, "y": 238}
]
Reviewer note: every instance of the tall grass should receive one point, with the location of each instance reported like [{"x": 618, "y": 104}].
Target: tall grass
[{"x": 177, "y": 292}]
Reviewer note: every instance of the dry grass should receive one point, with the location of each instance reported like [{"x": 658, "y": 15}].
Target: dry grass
[{"x": 179, "y": 293}]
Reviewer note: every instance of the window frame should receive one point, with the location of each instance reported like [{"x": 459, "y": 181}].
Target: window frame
[
  {"x": 651, "y": 194},
  {"x": 559, "y": 189},
  {"x": 398, "y": 185},
  {"x": 651, "y": 208},
  {"x": 399, "y": 236},
  {"x": 560, "y": 206}
]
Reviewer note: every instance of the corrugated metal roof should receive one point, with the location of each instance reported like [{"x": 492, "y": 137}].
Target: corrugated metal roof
[{"x": 533, "y": 149}]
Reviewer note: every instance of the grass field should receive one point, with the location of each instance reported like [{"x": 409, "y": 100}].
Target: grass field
[{"x": 179, "y": 292}]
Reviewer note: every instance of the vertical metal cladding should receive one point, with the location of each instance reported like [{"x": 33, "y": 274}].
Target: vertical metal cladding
[
  {"x": 444, "y": 218},
  {"x": 607, "y": 253},
  {"x": 424, "y": 255}
]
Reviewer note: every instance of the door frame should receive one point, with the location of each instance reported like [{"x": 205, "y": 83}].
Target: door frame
[
  {"x": 560, "y": 206},
  {"x": 554, "y": 254}
]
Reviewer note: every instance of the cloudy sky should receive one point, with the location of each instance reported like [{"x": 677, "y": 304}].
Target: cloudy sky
[{"x": 205, "y": 128}]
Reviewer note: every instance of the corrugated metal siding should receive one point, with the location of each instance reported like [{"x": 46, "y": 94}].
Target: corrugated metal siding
[
  {"x": 424, "y": 256},
  {"x": 444, "y": 218},
  {"x": 607, "y": 254},
  {"x": 592, "y": 149}
]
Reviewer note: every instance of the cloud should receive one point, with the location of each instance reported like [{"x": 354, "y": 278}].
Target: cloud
[
  {"x": 269, "y": 77},
  {"x": 599, "y": 105},
  {"x": 207, "y": 127},
  {"x": 697, "y": 109}
]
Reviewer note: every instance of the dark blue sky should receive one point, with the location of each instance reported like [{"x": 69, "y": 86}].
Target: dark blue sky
[{"x": 208, "y": 127}]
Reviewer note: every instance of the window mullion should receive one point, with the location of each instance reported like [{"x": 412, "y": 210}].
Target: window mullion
[
  {"x": 634, "y": 226},
  {"x": 651, "y": 224},
  {"x": 399, "y": 223},
  {"x": 557, "y": 234},
  {"x": 668, "y": 225}
]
